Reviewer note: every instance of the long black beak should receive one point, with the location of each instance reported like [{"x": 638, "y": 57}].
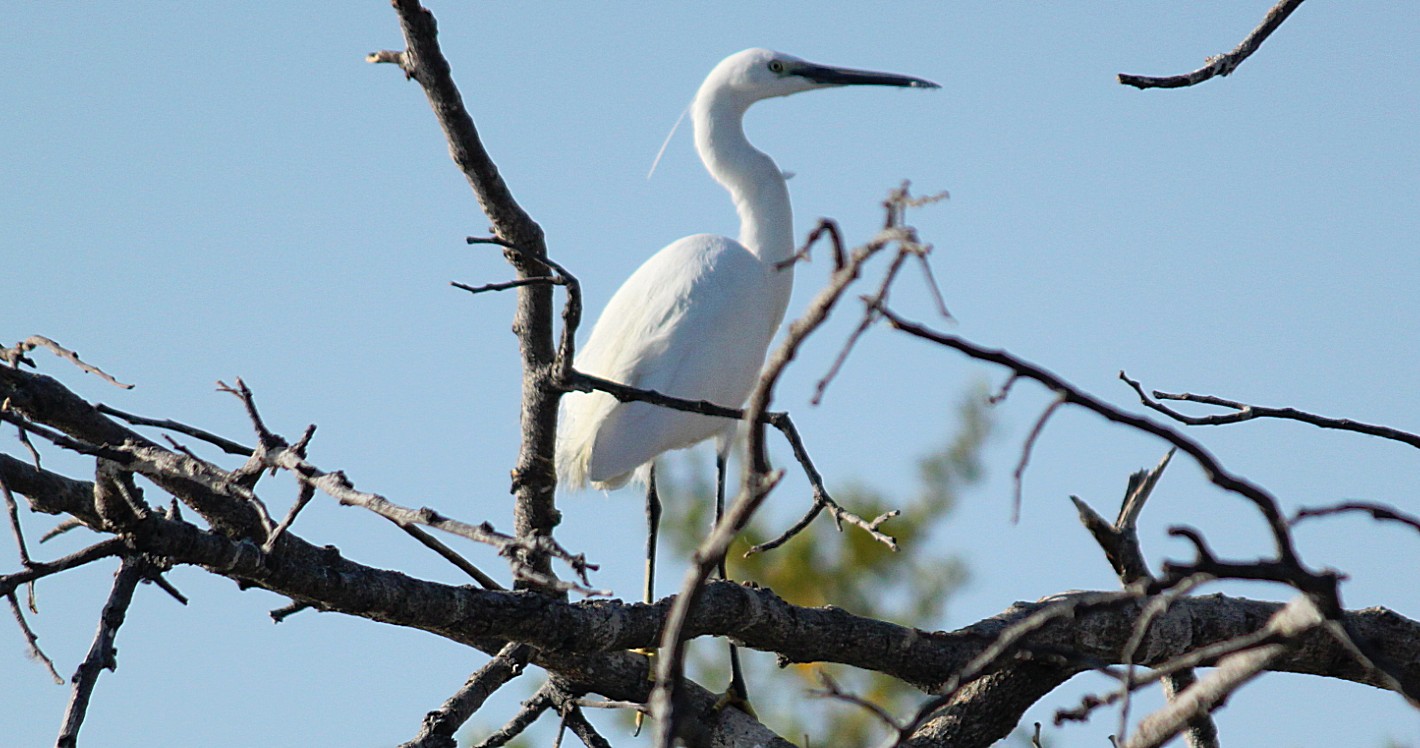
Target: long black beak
[{"x": 848, "y": 77}]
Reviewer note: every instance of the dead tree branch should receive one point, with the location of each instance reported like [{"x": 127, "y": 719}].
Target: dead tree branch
[
  {"x": 441, "y": 724},
  {"x": 534, "y": 479},
  {"x": 1246, "y": 412},
  {"x": 1231, "y": 672},
  {"x": 31, "y": 638},
  {"x": 1224, "y": 64},
  {"x": 1120, "y": 542},
  {"x": 102, "y": 654},
  {"x": 759, "y": 478},
  {"x": 1377, "y": 511},
  {"x": 16, "y": 356},
  {"x": 1265, "y": 503}
]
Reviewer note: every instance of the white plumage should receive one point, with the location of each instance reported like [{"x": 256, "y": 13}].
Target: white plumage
[{"x": 696, "y": 319}]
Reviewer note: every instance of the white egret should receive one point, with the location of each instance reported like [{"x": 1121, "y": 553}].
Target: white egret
[{"x": 696, "y": 319}]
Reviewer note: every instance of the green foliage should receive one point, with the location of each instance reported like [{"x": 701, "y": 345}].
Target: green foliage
[{"x": 848, "y": 569}]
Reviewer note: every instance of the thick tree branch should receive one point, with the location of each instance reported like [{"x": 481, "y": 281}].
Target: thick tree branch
[
  {"x": 1231, "y": 672},
  {"x": 757, "y": 618},
  {"x": 534, "y": 478}
]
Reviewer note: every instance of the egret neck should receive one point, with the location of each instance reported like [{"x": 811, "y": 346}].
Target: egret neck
[{"x": 756, "y": 185}]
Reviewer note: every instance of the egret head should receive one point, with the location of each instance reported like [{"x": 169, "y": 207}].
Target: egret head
[{"x": 756, "y": 74}]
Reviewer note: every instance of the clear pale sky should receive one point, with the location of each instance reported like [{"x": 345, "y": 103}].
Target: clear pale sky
[{"x": 200, "y": 191}]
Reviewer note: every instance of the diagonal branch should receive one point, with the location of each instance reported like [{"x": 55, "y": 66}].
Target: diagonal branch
[
  {"x": 1216, "y": 473},
  {"x": 1221, "y": 64},
  {"x": 441, "y": 724},
  {"x": 534, "y": 479},
  {"x": 39, "y": 569},
  {"x": 759, "y": 479},
  {"x": 16, "y": 355},
  {"x": 32, "y": 639},
  {"x": 102, "y": 654}
]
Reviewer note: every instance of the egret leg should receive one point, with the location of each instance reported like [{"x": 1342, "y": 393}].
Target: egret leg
[
  {"x": 653, "y": 528},
  {"x": 738, "y": 693}
]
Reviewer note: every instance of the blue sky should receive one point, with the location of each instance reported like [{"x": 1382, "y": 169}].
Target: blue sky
[{"x": 204, "y": 191}]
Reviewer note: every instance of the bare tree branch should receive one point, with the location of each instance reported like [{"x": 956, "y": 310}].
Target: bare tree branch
[
  {"x": 222, "y": 443},
  {"x": 450, "y": 555},
  {"x": 39, "y": 569},
  {"x": 528, "y": 714},
  {"x": 1120, "y": 542},
  {"x": 759, "y": 479},
  {"x": 534, "y": 478},
  {"x": 1221, "y": 64},
  {"x": 778, "y": 419},
  {"x": 16, "y": 355},
  {"x": 1377, "y": 511},
  {"x": 577, "y": 722},
  {"x": 441, "y": 724},
  {"x": 102, "y": 654},
  {"x": 1246, "y": 412},
  {"x": 31, "y": 638},
  {"x": 1019, "y": 473},
  {"x": 1232, "y": 671},
  {"x": 1260, "y": 498}
]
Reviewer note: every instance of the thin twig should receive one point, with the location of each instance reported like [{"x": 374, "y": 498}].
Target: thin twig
[
  {"x": 162, "y": 583},
  {"x": 286, "y": 611},
  {"x": 1377, "y": 511},
  {"x": 832, "y": 690},
  {"x": 822, "y": 499},
  {"x": 14, "y": 511},
  {"x": 1018, "y": 475},
  {"x": 608, "y": 704},
  {"x": 16, "y": 354},
  {"x": 40, "y": 569},
  {"x": 1260, "y": 498},
  {"x": 825, "y": 226},
  {"x": 1248, "y": 412},
  {"x": 1221, "y": 64},
  {"x": 304, "y": 494},
  {"x": 60, "y": 529},
  {"x": 24, "y": 437},
  {"x": 870, "y": 315},
  {"x": 780, "y": 420},
  {"x": 31, "y": 638},
  {"x": 509, "y": 285},
  {"x": 452, "y": 556},
  {"x": 222, "y": 443},
  {"x": 583, "y": 729}
]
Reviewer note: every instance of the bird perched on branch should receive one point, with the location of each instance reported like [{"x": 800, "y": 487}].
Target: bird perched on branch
[{"x": 696, "y": 319}]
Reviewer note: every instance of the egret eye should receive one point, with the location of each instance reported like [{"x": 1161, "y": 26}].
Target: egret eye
[{"x": 776, "y": 67}]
